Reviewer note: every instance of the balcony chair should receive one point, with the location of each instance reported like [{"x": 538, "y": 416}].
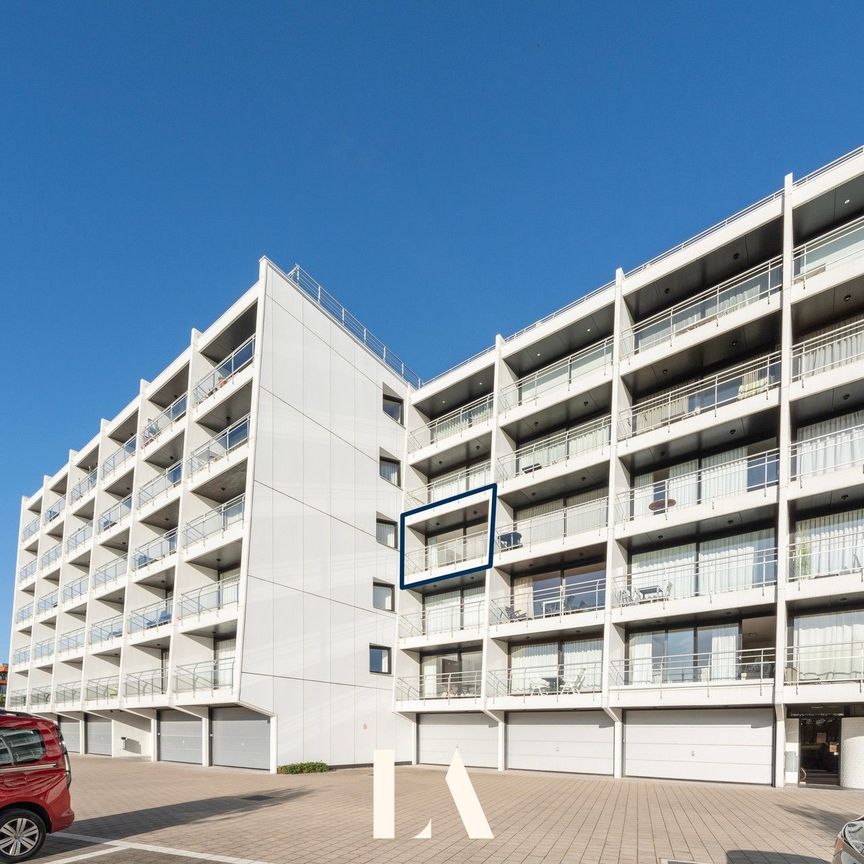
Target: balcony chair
[
  {"x": 538, "y": 687},
  {"x": 513, "y": 614},
  {"x": 573, "y": 685}
]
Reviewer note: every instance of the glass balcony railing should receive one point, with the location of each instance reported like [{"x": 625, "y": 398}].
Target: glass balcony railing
[
  {"x": 74, "y": 590},
  {"x": 43, "y": 650},
  {"x": 443, "y": 620},
  {"x": 829, "y": 250},
  {"x": 225, "y": 371},
  {"x": 438, "y": 556},
  {"x": 740, "y": 382},
  {"x": 67, "y": 694},
  {"x": 30, "y": 529},
  {"x": 149, "y": 617},
  {"x": 551, "y": 602},
  {"x": 114, "y": 515},
  {"x": 155, "y": 427},
  {"x": 25, "y": 613},
  {"x": 558, "y": 377},
  {"x": 219, "y": 446},
  {"x": 120, "y": 456},
  {"x": 445, "y": 685},
  {"x": 743, "y": 290},
  {"x": 47, "y": 603},
  {"x": 103, "y": 689},
  {"x": 842, "y": 346},
  {"x": 21, "y": 657},
  {"x": 83, "y": 487},
  {"x": 155, "y": 550},
  {"x": 210, "y": 598},
  {"x": 51, "y": 556},
  {"x": 553, "y": 527},
  {"x": 834, "y": 555},
  {"x": 558, "y": 449},
  {"x": 706, "y": 577},
  {"x": 27, "y": 572},
  {"x": 203, "y": 678},
  {"x": 752, "y": 665},
  {"x": 823, "y": 454},
  {"x": 106, "y": 631},
  {"x": 79, "y": 538},
  {"x": 108, "y": 574},
  {"x": 453, "y": 483},
  {"x": 71, "y": 641},
  {"x": 40, "y": 696},
  {"x": 151, "y": 682},
  {"x": 216, "y": 521},
  {"x": 817, "y": 664},
  {"x": 709, "y": 483},
  {"x": 563, "y": 679},
  {"x": 170, "y": 478},
  {"x": 454, "y": 423},
  {"x": 54, "y": 511}
]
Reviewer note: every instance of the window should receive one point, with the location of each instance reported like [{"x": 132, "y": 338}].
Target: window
[
  {"x": 20, "y": 746},
  {"x": 382, "y": 596},
  {"x": 379, "y": 659},
  {"x": 393, "y": 408},
  {"x": 385, "y": 533},
  {"x": 388, "y": 469}
]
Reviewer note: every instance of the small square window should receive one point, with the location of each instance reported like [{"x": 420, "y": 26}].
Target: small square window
[
  {"x": 379, "y": 659},
  {"x": 393, "y": 408},
  {"x": 385, "y": 533},
  {"x": 382, "y": 596},
  {"x": 389, "y": 470}
]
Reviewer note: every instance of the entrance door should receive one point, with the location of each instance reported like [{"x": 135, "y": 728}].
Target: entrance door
[{"x": 819, "y": 745}]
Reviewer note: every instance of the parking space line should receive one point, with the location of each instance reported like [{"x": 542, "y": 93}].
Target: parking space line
[
  {"x": 86, "y": 856},
  {"x": 146, "y": 847}
]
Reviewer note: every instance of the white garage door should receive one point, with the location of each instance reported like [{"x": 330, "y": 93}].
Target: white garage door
[
  {"x": 475, "y": 735},
  {"x": 98, "y": 732},
  {"x": 734, "y": 745},
  {"x": 239, "y": 738},
  {"x": 71, "y": 732},
  {"x": 582, "y": 742},
  {"x": 179, "y": 737}
]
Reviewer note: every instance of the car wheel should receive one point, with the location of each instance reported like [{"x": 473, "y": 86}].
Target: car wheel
[{"x": 22, "y": 834}]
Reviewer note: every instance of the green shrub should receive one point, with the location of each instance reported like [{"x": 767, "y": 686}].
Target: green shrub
[{"x": 304, "y": 768}]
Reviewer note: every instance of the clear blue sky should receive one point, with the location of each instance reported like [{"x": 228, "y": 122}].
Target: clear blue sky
[{"x": 448, "y": 170}]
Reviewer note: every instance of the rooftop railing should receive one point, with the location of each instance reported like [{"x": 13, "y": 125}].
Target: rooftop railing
[
  {"x": 454, "y": 423},
  {"x": 216, "y": 521},
  {"x": 710, "y": 305},
  {"x": 43, "y": 649},
  {"x": 205, "y": 677},
  {"x": 553, "y": 527},
  {"x": 30, "y": 528},
  {"x": 558, "y": 449},
  {"x": 52, "y": 555},
  {"x": 65, "y": 694},
  {"x": 82, "y": 487},
  {"x": 170, "y": 478},
  {"x": 740, "y": 382},
  {"x": 102, "y": 689},
  {"x": 149, "y": 617},
  {"x": 71, "y": 641},
  {"x": 443, "y": 620},
  {"x": 751, "y": 665},
  {"x": 833, "y": 451},
  {"x": 165, "y": 420},
  {"x": 819, "y": 664},
  {"x": 47, "y": 602},
  {"x": 705, "y": 577},
  {"x": 448, "y": 553},
  {"x": 110, "y": 572},
  {"x": 839, "y": 554},
  {"x": 120, "y": 456},
  {"x": 25, "y": 613},
  {"x": 348, "y": 322},
  {"x": 106, "y": 631},
  {"x": 840, "y": 347},
  {"x": 564, "y": 374},
  {"x": 709, "y": 483},
  {"x": 546, "y": 603},
  {"x": 21, "y": 656},
  {"x": 155, "y": 550},
  {"x": 74, "y": 590},
  {"x": 151, "y": 682},
  {"x": 219, "y": 446},
  {"x": 563, "y": 679},
  {"x": 80, "y": 537},
  {"x": 445, "y": 685},
  {"x": 54, "y": 511},
  {"x": 114, "y": 515},
  {"x": 28, "y": 571},
  {"x": 236, "y": 361},
  {"x": 210, "y": 598},
  {"x": 835, "y": 247},
  {"x": 452, "y": 483},
  {"x": 830, "y": 166}
]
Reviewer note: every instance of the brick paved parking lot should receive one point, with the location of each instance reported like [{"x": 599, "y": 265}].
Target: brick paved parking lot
[{"x": 176, "y": 814}]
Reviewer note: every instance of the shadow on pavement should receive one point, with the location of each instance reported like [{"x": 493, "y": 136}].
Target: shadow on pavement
[{"x": 760, "y": 856}]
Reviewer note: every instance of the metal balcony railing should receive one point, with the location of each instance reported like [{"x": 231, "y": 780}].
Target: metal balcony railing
[
  {"x": 40, "y": 696},
  {"x": 65, "y": 694},
  {"x": 71, "y": 641},
  {"x": 21, "y": 657},
  {"x": 446, "y": 685},
  {"x": 47, "y": 602},
  {"x": 843, "y": 448},
  {"x": 16, "y": 700},
  {"x": 54, "y": 511},
  {"x": 155, "y": 550},
  {"x": 82, "y": 487},
  {"x": 28, "y": 571},
  {"x": 706, "y": 668},
  {"x": 752, "y": 378},
  {"x": 205, "y": 677},
  {"x": 554, "y": 527},
  {"x": 840, "y": 347},
  {"x": 114, "y": 515},
  {"x": 52, "y": 555},
  {"x": 445, "y": 620},
  {"x": 166, "y": 419},
  {"x": 111, "y": 572},
  {"x": 710, "y": 305},
  {"x": 707, "y": 484},
  {"x": 835, "y": 247},
  {"x": 149, "y": 617},
  {"x": 558, "y": 449},
  {"x": 170, "y": 478},
  {"x": 74, "y": 590},
  {"x": 453, "y": 483},
  {"x": 120, "y": 456},
  {"x": 548, "y": 602},
  {"x": 835, "y": 555},
  {"x": 562, "y": 375},
  {"x": 43, "y": 649},
  {"x": 210, "y": 598},
  {"x": 819, "y": 664},
  {"x": 151, "y": 682},
  {"x": 563, "y": 679},
  {"x": 453, "y": 423},
  {"x": 448, "y": 553},
  {"x": 30, "y": 529},
  {"x": 705, "y": 577},
  {"x": 106, "y": 631},
  {"x": 25, "y": 613},
  {"x": 79, "y": 537},
  {"x": 216, "y": 521},
  {"x": 102, "y": 689},
  {"x": 236, "y": 361},
  {"x": 219, "y": 446}
]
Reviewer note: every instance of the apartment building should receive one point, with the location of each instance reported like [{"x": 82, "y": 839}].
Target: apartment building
[{"x": 626, "y": 540}]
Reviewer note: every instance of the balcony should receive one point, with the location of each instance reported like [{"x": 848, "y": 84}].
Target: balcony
[
  {"x": 110, "y": 573},
  {"x": 145, "y": 685},
  {"x": 825, "y": 664},
  {"x": 711, "y": 305},
  {"x": 828, "y": 351},
  {"x": 67, "y": 694},
  {"x": 548, "y": 604},
  {"x": 75, "y": 592},
  {"x": 170, "y": 478},
  {"x": 840, "y": 450},
  {"x": 114, "y": 515},
  {"x": 52, "y": 514},
  {"x": 153, "y": 429},
  {"x": 156, "y": 550},
  {"x": 43, "y": 651},
  {"x": 447, "y": 554},
  {"x": 105, "y": 689},
  {"x": 120, "y": 456},
  {"x": 40, "y": 697},
  {"x": 31, "y": 528},
  {"x": 71, "y": 642},
  {"x": 148, "y": 618},
  {"x": 51, "y": 556},
  {"x": 704, "y": 487},
  {"x": 16, "y": 700},
  {"x": 106, "y": 631},
  {"x": 565, "y": 679},
  {"x": 225, "y": 371},
  {"x": 21, "y": 657},
  {"x": 822, "y": 557},
  {"x": 450, "y": 484},
  {"x": 829, "y": 251},
  {"x": 445, "y": 685},
  {"x": 79, "y": 537},
  {"x": 216, "y": 522},
  {"x": 444, "y": 621},
  {"x": 83, "y": 487},
  {"x": 705, "y": 396},
  {"x": 219, "y": 446},
  {"x": 209, "y": 599},
  {"x": 559, "y": 378},
  {"x": 455, "y": 423},
  {"x": 24, "y": 614},
  {"x": 554, "y": 529},
  {"x": 202, "y": 679},
  {"x": 47, "y": 603},
  {"x": 28, "y": 572}
]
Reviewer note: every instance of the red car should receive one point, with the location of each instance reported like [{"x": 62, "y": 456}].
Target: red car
[{"x": 35, "y": 774}]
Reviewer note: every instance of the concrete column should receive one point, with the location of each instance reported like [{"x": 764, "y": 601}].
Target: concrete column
[{"x": 852, "y": 752}]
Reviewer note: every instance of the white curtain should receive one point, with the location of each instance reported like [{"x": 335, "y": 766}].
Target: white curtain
[
  {"x": 583, "y": 663},
  {"x": 830, "y": 444},
  {"x": 442, "y": 612},
  {"x": 472, "y": 614},
  {"x": 679, "y": 483},
  {"x": 828, "y": 545},
  {"x": 531, "y": 664},
  {"x": 828, "y": 645},
  {"x": 523, "y": 595},
  {"x": 732, "y": 563},
  {"x": 840, "y": 247},
  {"x": 639, "y": 652},
  {"x": 724, "y": 474},
  {"x": 590, "y": 436},
  {"x": 429, "y": 684},
  {"x": 672, "y": 570},
  {"x": 724, "y": 648},
  {"x": 846, "y": 346}
]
